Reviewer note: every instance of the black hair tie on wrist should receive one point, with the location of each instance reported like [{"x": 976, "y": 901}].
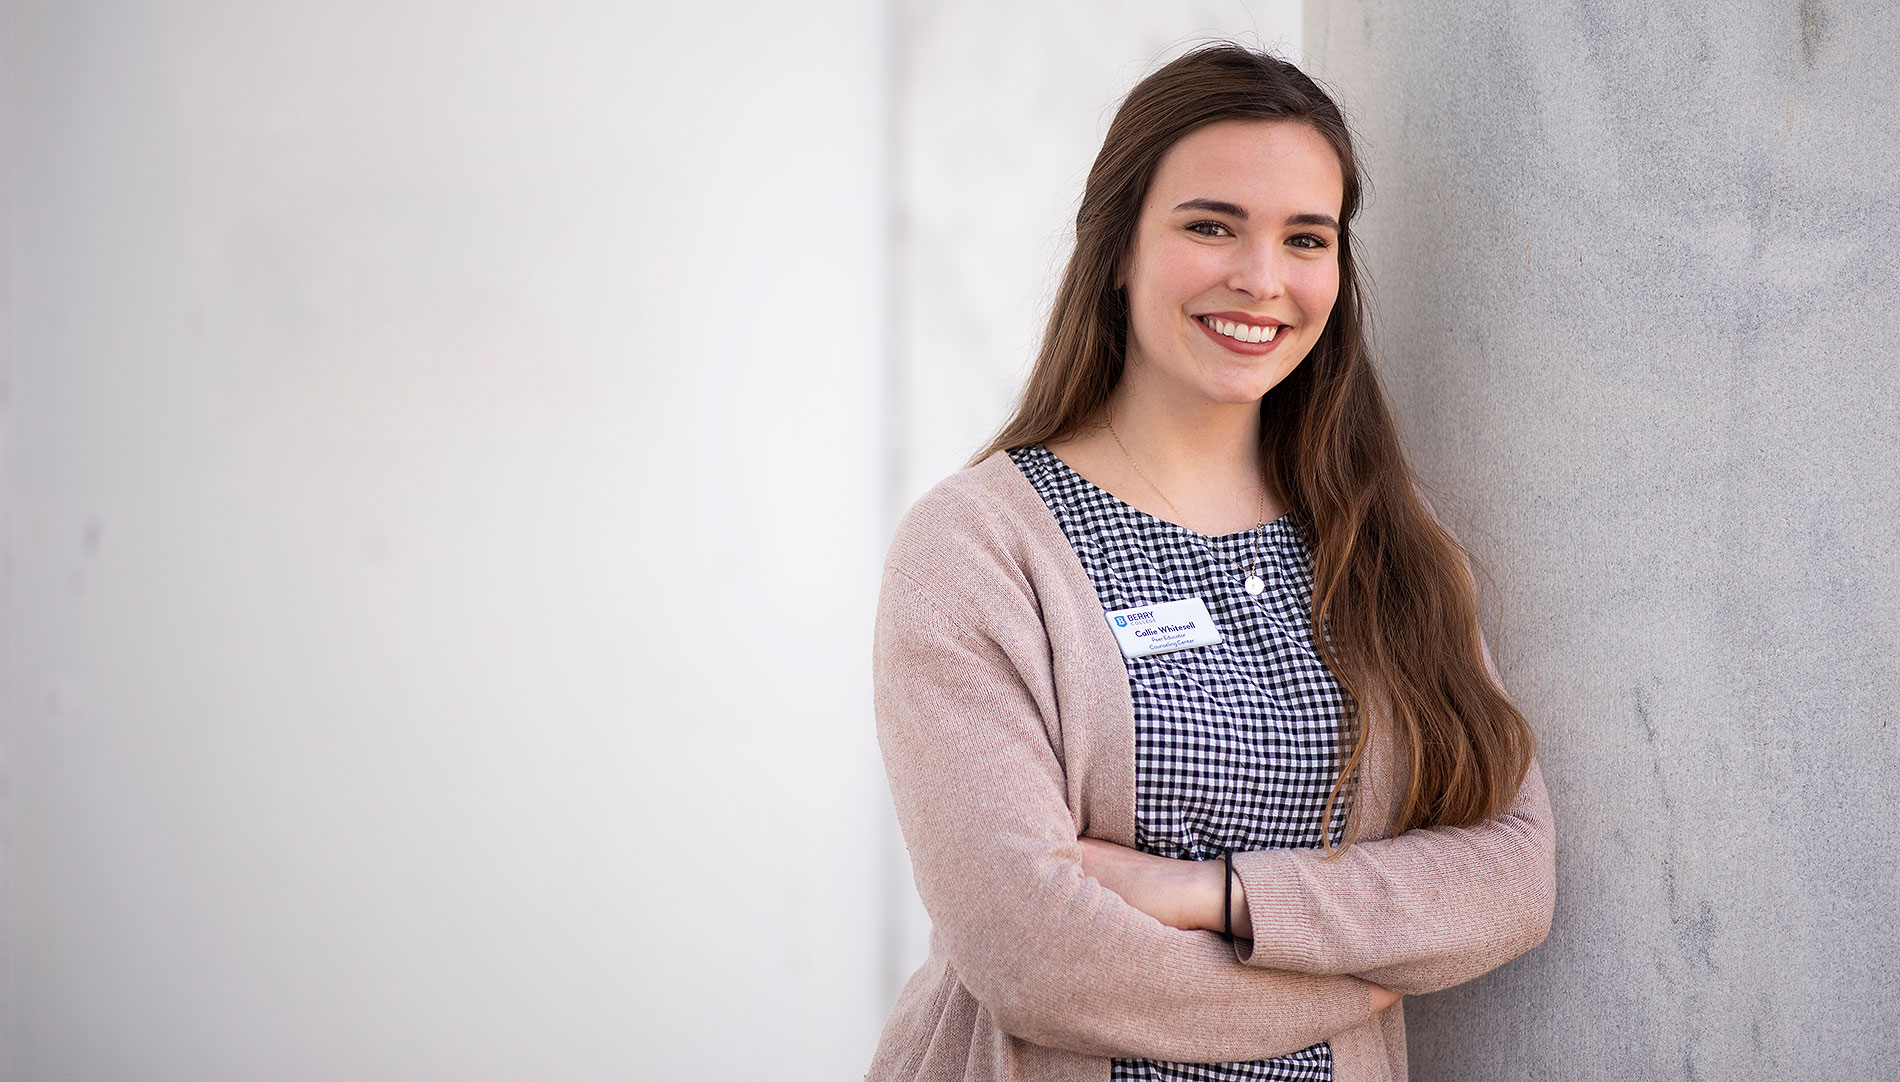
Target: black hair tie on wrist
[{"x": 1227, "y": 896}]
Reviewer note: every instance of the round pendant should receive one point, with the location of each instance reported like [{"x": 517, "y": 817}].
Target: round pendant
[{"x": 1255, "y": 584}]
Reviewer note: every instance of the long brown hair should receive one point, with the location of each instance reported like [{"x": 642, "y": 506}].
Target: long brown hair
[{"x": 1394, "y": 609}]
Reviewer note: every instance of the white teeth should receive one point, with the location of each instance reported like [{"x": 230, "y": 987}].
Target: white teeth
[{"x": 1241, "y": 332}]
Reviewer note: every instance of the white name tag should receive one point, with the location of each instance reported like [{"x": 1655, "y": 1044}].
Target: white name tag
[{"x": 1157, "y": 629}]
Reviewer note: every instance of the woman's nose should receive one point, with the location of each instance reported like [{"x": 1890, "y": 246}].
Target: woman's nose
[{"x": 1256, "y": 273}]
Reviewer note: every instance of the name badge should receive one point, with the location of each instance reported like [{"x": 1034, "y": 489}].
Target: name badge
[{"x": 1147, "y": 630}]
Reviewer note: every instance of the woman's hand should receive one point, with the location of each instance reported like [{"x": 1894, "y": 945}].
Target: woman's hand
[{"x": 1184, "y": 894}]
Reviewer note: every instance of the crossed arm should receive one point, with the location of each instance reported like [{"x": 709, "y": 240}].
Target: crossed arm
[
  {"x": 1416, "y": 913},
  {"x": 1184, "y": 894}
]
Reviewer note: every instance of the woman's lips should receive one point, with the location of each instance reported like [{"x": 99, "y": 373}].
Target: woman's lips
[{"x": 1233, "y": 334}]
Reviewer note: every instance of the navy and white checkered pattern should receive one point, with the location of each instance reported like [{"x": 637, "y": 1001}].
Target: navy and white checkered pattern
[{"x": 1236, "y": 744}]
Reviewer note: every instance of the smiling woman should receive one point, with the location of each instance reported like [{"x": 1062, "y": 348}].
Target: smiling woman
[
  {"x": 1180, "y": 688},
  {"x": 1234, "y": 268}
]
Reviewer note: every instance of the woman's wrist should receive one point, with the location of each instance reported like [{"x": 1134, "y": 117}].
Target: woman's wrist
[
  {"x": 1192, "y": 895},
  {"x": 1222, "y": 901}
]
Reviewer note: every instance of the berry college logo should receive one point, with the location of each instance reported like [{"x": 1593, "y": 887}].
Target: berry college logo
[{"x": 1121, "y": 621}]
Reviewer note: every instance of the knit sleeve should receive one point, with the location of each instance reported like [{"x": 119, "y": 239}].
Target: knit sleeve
[
  {"x": 1419, "y": 912},
  {"x": 1056, "y": 958}
]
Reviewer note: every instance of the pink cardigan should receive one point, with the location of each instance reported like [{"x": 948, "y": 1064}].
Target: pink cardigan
[{"x": 1007, "y": 730}]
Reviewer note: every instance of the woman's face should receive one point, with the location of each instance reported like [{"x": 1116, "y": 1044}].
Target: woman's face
[{"x": 1235, "y": 264}]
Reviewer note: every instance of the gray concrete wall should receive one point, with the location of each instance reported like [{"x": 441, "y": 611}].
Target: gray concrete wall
[{"x": 1636, "y": 284}]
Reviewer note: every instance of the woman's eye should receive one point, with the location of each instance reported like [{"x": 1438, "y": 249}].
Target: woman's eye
[
  {"x": 1309, "y": 241},
  {"x": 1209, "y": 229}
]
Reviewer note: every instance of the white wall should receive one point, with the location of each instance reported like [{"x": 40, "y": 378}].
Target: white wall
[
  {"x": 448, "y": 449},
  {"x": 442, "y": 492}
]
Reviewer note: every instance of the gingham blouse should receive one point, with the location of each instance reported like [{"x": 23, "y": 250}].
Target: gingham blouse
[{"x": 1235, "y": 743}]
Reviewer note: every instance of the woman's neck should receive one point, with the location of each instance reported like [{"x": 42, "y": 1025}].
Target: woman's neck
[{"x": 1198, "y": 467}]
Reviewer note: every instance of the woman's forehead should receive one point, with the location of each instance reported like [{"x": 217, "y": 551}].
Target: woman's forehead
[{"x": 1255, "y": 165}]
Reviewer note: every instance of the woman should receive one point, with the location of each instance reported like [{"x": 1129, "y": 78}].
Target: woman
[{"x": 1180, "y": 688}]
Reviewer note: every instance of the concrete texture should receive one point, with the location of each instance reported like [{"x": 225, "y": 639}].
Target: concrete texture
[{"x": 1636, "y": 287}]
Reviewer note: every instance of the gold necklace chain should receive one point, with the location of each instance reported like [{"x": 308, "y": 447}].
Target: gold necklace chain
[{"x": 1255, "y": 583}]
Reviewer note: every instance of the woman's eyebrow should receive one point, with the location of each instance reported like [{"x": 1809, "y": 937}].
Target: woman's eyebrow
[
  {"x": 1234, "y": 210},
  {"x": 1326, "y": 220},
  {"x": 1214, "y": 206}
]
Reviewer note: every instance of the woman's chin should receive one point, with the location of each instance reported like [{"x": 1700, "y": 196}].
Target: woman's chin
[{"x": 1247, "y": 392}]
